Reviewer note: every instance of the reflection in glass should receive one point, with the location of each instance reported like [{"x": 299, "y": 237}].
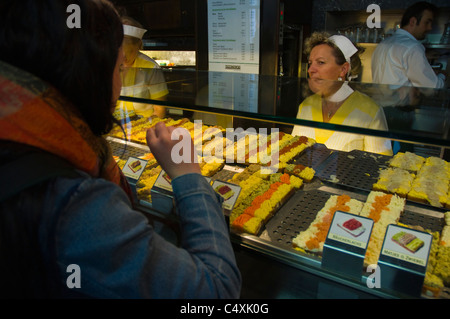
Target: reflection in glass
[{"x": 412, "y": 114}]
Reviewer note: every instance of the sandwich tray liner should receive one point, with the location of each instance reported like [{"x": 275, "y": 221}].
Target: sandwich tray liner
[
  {"x": 313, "y": 156},
  {"x": 358, "y": 170},
  {"x": 295, "y": 216}
]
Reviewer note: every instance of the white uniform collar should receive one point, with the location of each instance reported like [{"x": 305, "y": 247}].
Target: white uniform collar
[{"x": 341, "y": 94}]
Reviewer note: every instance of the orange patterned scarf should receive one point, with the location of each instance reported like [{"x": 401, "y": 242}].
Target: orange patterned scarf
[{"x": 35, "y": 114}]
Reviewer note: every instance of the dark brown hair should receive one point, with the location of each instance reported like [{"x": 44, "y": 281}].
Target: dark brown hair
[
  {"x": 79, "y": 62},
  {"x": 416, "y": 11}
]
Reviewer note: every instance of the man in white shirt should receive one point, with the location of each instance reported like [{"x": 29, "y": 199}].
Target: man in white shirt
[{"x": 400, "y": 59}]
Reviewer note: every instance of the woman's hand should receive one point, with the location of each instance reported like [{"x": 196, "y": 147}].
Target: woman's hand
[{"x": 174, "y": 161}]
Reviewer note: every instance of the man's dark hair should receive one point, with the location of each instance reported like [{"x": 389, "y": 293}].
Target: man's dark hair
[
  {"x": 416, "y": 11},
  {"x": 79, "y": 62}
]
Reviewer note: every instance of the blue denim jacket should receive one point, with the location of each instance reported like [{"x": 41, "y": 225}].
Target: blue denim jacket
[{"x": 119, "y": 254}]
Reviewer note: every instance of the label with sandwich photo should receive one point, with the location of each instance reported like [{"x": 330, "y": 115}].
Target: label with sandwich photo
[
  {"x": 408, "y": 246},
  {"x": 164, "y": 181},
  {"x": 229, "y": 192},
  {"x": 134, "y": 167}
]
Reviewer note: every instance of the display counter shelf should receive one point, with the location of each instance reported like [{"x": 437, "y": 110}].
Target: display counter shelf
[{"x": 271, "y": 102}]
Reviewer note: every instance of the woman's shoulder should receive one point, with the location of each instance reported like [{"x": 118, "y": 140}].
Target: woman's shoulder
[{"x": 144, "y": 61}]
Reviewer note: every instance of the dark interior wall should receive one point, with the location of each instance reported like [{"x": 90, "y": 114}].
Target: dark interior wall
[
  {"x": 161, "y": 17},
  {"x": 171, "y": 24},
  {"x": 320, "y": 7}
]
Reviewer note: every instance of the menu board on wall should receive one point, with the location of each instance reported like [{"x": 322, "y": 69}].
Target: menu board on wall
[
  {"x": 233, "y": 48},
  {"x": 233, "y": 35}
]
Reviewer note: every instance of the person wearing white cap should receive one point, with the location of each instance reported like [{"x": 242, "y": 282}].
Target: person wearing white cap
[
  {"x": 142, "y": 76},
  {"x": 333, "y": 61}
]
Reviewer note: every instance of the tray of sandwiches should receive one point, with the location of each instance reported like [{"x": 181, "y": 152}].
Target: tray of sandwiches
[
  {"x": 303, "y": 223},
  {"x": 417, "y": 179}
]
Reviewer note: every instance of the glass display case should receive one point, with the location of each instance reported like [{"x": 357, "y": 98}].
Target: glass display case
[{"x": 282, "y": 189}]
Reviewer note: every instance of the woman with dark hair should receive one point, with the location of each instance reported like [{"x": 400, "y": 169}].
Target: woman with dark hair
[
  {"x": 34, "y": 36},
  {"x": 65, "y": 206},
  {"x": 333, "y": 61}
]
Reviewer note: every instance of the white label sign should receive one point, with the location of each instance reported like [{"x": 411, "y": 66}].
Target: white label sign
[
  {"x": 134, "y": 167},
  {"x": 229, "y": 192},
  {"x": 351, "y": 229},
  {"x": 233, "y": 35}
]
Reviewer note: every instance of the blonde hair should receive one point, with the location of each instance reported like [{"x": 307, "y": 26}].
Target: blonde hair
[{"x": 318, "y": 38}]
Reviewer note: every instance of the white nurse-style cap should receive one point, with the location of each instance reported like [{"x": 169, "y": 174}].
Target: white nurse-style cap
[
  {"x": 133, "y": 31},
  {"x": 346, "y": 46}
]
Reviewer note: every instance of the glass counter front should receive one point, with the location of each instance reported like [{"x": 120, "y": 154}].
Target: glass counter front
[{"x": 316, "y": 180}]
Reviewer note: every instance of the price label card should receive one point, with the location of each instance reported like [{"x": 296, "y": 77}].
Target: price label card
[
  {"x": 346, "y": 243},
  {"x": 134, "y": 167},
  {"x": 406, "y": 247},
  {"x": 164, "y": 181},
  {"x": 403, "y": 259},
  {"x": 229, "y": 192},
  {"x": 350, "y": 229}
]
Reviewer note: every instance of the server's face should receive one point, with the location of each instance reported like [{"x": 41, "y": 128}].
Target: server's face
[
  {"x": 323, "y": 70},
  {"x": 117, "y": 75},
  {"x": 420, "y": 29},
  {"x": 131, "y": 48}
]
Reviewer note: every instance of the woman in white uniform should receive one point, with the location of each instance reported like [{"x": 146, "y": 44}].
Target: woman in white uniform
[{"x": 333, "y": 61}]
